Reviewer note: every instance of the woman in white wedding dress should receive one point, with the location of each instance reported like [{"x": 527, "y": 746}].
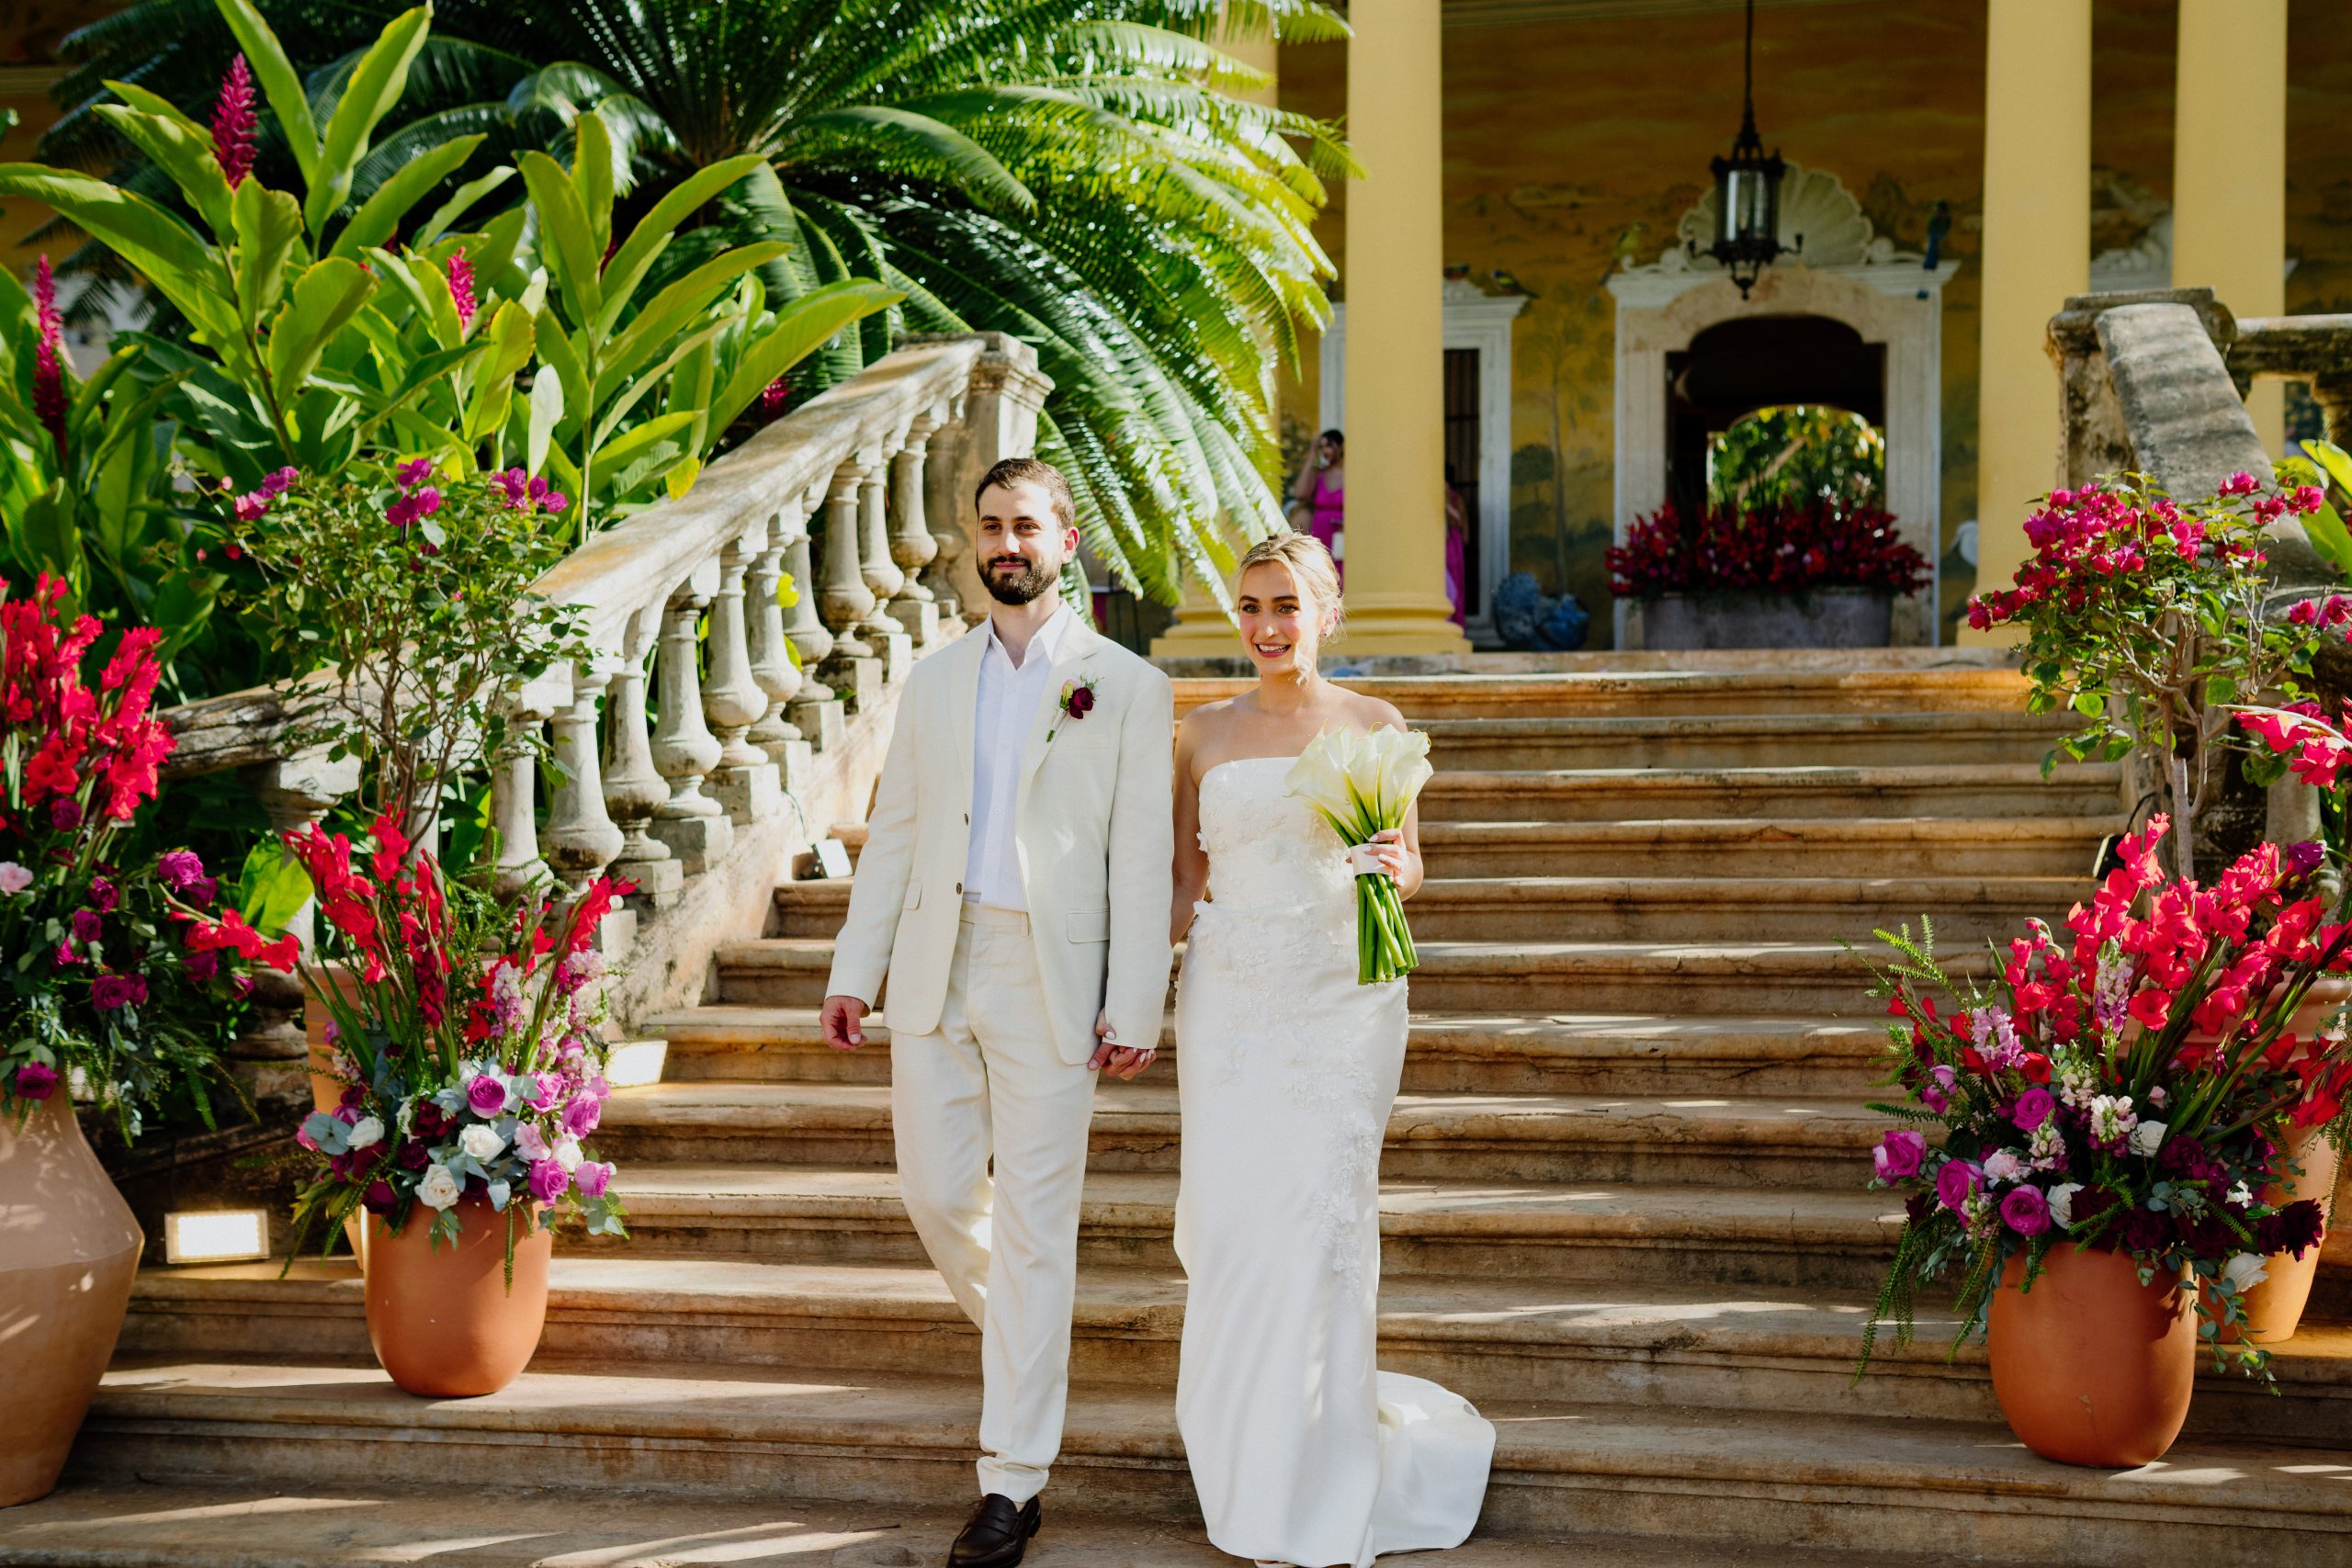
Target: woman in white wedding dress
[{"x": 1302, "y": 1453}]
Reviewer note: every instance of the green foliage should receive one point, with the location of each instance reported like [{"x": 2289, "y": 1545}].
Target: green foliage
[{"x": 1795, "y": 457}]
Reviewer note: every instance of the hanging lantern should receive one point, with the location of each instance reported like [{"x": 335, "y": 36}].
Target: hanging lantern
[{"x": 1748, "y": 191}]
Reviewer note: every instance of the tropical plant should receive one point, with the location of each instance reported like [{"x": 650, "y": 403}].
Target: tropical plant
[
  {"x": 1795, "y": 457},
  {"x": 1075, "y": 173},
  {"x": 2145, "y": 616},
  {"x": 116, "y": 969}
]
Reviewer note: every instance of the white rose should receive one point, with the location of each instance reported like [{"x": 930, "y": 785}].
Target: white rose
[
  {"x": 481, "y": 1141},
  {"x": 567, "y": 1155},
  {"x": 2244, "y": 1271},
  {"x": 2062, "y": 1202},
  {"x": 366, "y": 1132},
  {"x": 2147, "y": 1138},
  {"x": 2239, "y": 1195},
  {"x": 438, "y": 1188}
]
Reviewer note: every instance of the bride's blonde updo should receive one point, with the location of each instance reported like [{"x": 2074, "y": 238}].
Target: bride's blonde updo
[{"x": 1311, "y": 571}]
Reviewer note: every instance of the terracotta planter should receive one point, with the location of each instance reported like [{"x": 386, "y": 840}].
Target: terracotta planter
[
  {"x": 441, "y": 1319},
  {"x": 68, "y": 1249},
  {"x": 2274, "y": 1309},
  {"x": 2090, "y": 1366}
]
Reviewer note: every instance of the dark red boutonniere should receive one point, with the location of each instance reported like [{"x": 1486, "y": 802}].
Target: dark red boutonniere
[{"x": 1078, "y": 701}]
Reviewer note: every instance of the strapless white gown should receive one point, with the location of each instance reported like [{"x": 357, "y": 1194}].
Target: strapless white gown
[{"x": 1301, "y": 1451}]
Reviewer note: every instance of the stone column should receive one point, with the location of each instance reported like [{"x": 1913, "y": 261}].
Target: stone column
[
  {"x": 2229, "y": 170},
  {"x": 947, "y": 511},
  {"x": 2037, "y": 253},
  {"x": 271, "y": 1059},
  {"x": 695, "y": 826},
  {"x": 854, "y": 669},
  {"x": 1395, "y": 271},
  {"x": 514, "y": 798},
  {"x": 633, "y": 788},
  {"x": 912, "y": 546},
  {"x": 779, "y": 678},
  {"x": 745, "y": 782},
  {"x": 880, "y": 630},
  {"x": 582, "y": 839}
]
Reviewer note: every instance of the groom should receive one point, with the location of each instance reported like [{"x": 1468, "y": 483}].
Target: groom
[{"x": 1014, "y": 887}]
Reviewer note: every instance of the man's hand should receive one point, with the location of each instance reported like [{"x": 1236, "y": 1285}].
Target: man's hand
[
  {"x": 840, "y": 1020},
  {"x": 1109, "y": 1056}
]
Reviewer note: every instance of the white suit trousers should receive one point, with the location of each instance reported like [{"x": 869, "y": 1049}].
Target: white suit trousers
[{"x": 989, "y": 1085}]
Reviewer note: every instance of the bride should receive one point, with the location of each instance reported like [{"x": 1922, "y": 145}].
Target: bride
[{"x": 1302, "y": 1452}]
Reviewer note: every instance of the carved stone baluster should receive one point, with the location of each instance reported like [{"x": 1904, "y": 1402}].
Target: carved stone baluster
[
  {"x": 854, "y": 670},
  {"x": 912, "y": 546},
  {"x": 633, "y": 788},
  {"x": 880, "y": 630},
  {"x": 815, "y": 710},
  {"x": 270, "y": 1058},
  {"x": 514, "y": 797},
  {"x": 684, "y": 751},
  {"x": 745, "y": 782},
  {"x": 582, "y": 839},
  {"x": 778, "y": 738},
  {"x": 946, "y": 509}
]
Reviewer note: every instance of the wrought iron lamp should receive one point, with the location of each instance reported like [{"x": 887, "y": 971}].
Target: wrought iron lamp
[{"x": 1747, "y": 190}]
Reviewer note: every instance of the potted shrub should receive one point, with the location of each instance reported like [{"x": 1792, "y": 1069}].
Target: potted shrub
[
  {"x": 1816, "y": 572},
  {"x": 2088, "y": 1144},
  {"x": 115, "y": 971},
  {"x": 469, "y": 1045}
]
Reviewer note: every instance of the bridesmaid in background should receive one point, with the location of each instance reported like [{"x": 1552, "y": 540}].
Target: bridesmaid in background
[{"x": 1320, "y": 489}]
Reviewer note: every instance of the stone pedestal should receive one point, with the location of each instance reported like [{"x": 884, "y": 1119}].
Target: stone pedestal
[
  {"x": 695, "y": 842},
  {"x": 895, "y": 654},
  {"x": 919, "y": 616},
  {"x": 820, "y": 719},
  {"x": 855, "y": 681},
  {"x": 659, "y": 882},
  {"x": 794, "y": 760},
  {"x": 753, "y": 794}
]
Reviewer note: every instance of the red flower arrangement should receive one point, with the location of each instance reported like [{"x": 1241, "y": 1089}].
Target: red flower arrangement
[
  {"x": 123, "y": 955},
  {"x": 1778, "y": 549}
]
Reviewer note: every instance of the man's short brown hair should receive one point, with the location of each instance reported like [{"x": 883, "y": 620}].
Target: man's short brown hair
[{"x": 1029, "y": 470}]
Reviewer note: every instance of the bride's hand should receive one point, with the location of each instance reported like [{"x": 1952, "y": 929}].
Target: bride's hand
[
  {"x": 1112, "y": 1058},
  {"x": 1383, "y": 854}
]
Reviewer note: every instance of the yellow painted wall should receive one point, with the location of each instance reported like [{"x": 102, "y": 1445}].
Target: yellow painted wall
[{"x": 1562, "y": 136}]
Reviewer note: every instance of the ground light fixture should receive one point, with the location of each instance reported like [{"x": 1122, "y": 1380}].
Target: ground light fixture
[
  {"x": 1747, "y": 190},
  {"x": 216, "y": 1235}
]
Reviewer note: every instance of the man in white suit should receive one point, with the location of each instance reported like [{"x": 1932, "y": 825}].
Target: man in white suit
[{"x": 1015, "y": 890}]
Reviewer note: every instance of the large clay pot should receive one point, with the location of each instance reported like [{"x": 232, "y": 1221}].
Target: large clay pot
[
  {"x": 441, "y": 1319},
  {"x": 68, "y": 1249},
  {"x": 2274, "y": 1309},
  {"x": 2090, "y": 1366}
]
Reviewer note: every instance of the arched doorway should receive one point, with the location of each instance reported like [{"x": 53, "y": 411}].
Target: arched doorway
[{"x": 1735, "y": 368}]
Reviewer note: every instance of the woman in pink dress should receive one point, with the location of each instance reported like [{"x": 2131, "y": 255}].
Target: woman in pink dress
[
  {"x": 1457, "y": 551},
  {"x": 1322, "y": 488}
]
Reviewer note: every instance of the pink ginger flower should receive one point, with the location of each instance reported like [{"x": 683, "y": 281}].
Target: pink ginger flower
[
  {"x": 461, "y": 288},
  {"x": 773, "y": 395},
  {"x": 234, "y": 121},
  {"x": 49, "y": 369}
]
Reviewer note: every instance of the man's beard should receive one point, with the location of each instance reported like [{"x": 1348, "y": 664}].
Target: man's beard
[{"x": 1034, "y": 579}]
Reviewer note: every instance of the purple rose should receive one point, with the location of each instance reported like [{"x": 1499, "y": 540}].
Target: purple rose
[
  {"x": 2304, "y": 858},
  {"x": 2025, "y": 1211},
  {"x": 380, "y": 1198},
  {"x": 1899, "y": 1154},
  {"x": 36, "y": 1080},
  {"x": 65, "y": 814},
  {"x": 1081, "y": 701},
  {"x": 203, "y": 966},
  {"x": 593, "y": 1176},
  {"x": 549, "y": 1180},
  {"x": 103, "y": 895},
  {"x": 1935, "y": 1093},
  {"x": 2032, "y": 1108},
  {"x": 183, "y": 872},
  {"x": 580, "y": 1117},
  {"x": 486, "y": 1095},
  {"x": 1957, "y": 1181},
  {"x": 537, "y": 1091},
  {"x": 108, "y": 992},
  {"x": 87, "y": 926},
  {"x": 415, "y": 1156}
]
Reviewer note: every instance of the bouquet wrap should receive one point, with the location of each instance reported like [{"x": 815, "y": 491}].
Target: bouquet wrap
[{"x": 1364, "y": 784}]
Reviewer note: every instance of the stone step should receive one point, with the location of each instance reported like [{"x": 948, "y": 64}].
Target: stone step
[
  {"x": 1630, "y": 1342},
  {"x": 1784, "y": 846},
  {"x": 1612, "y": 795},
  {"x": 1567, "y": 1054},
  {"x": 1661, "y": 694},
  {"x": 1683, "y": 1235},
  {"x": 1460, "y": 1137},
  {"x": 1769, "y": 1480},
  {"x": 1741, "y": 740},
  {"x": 227, "y": 1524},
  {"x": 1673, "y": 978},
  {"x": 1652, "y": 909}
]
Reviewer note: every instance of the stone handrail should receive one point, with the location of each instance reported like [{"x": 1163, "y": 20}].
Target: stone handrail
[
  {"x": 751, "y": 704},
  {"x": 2317, "y": 349}
]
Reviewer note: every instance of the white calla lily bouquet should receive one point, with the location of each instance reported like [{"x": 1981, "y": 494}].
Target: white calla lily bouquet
[{"x": 1362, "y": 784}]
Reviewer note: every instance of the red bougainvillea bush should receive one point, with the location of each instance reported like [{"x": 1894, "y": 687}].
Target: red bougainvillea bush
[
  {"x": 1778, "y": 549},
  {"x": 115, "y": 971},
  {"x": 2132, "y": 1089},
  {"x": 471, "y": 1045}
]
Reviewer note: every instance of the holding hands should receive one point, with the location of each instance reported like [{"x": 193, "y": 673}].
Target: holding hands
[{"x": 1109, "y": 1056}]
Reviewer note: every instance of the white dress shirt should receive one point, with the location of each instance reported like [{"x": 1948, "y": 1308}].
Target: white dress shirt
[{"x": 1004, "y": 711}]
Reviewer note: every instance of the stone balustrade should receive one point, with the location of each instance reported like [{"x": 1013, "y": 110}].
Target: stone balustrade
[{"x": 685, "y": 747}]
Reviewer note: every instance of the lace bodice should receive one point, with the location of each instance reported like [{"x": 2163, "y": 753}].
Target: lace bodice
[{"x": 1267, "y": 851}]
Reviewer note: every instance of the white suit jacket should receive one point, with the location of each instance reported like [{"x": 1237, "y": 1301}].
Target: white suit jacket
[{"x": 1094, "y": 825}]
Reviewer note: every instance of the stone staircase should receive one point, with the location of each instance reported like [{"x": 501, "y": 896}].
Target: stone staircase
[{"x": 1621, "y": 1210}]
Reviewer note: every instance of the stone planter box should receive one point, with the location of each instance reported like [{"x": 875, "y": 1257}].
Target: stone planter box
[{"x": 1828, "y": 618}]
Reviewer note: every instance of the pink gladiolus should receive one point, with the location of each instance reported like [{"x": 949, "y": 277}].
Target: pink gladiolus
[{"x": 232, "y": 123}]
